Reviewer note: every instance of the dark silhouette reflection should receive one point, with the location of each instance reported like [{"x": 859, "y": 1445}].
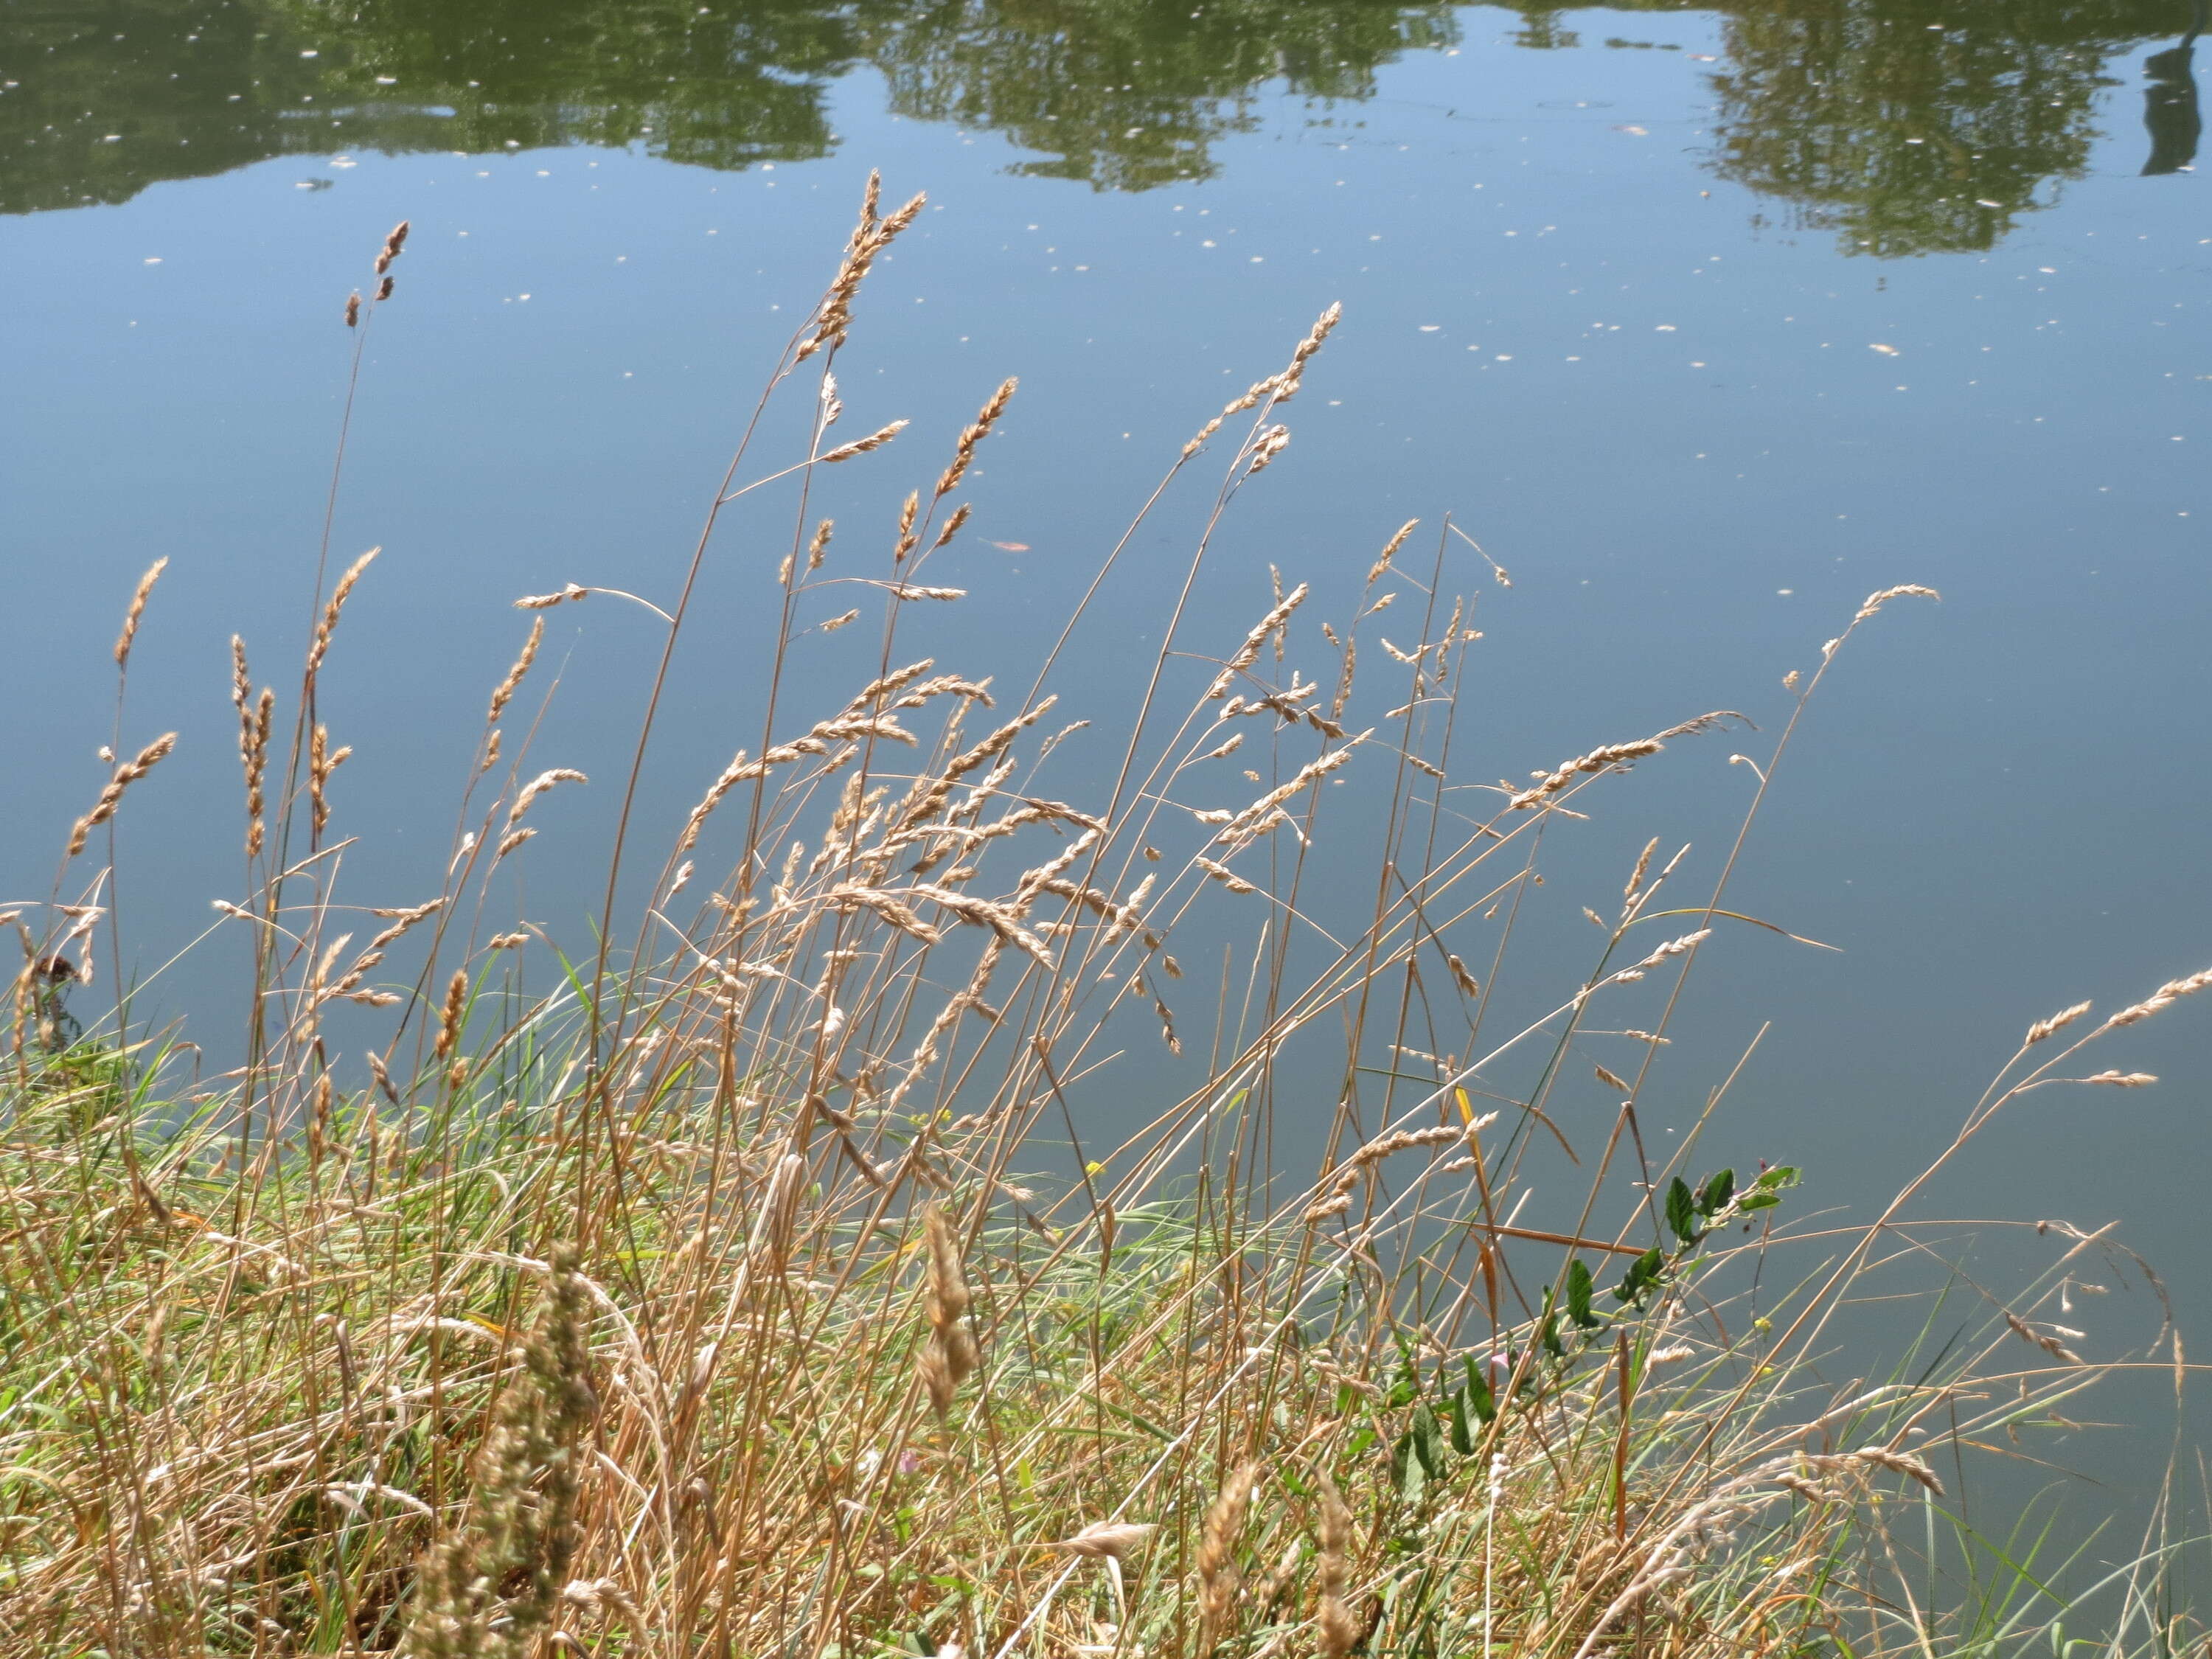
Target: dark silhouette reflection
[
  {"x": 2170, "y": 103},
  {"x": 1904, "y": 126},
  {"x": 1913, "y": 126},
  {"x": 1127, "y": 93},
  {"x": 116, "y": 94}
]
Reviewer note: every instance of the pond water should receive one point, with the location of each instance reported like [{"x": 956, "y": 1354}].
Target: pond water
[{"x": 1705, "y": 320}]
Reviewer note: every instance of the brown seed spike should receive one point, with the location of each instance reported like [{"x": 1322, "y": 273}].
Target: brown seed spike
[
  {"x": 1104, "y": 1540},
  {"x": 963, "y": 453},
  {"x": 875, "y": 440},
  {"x": 111, "y": 797},
  {"x": 1390, "y": 552},
  {"x": 2057, "y": 1022},
  {"x": 1335, "y": 1625},
  {"x": 353, "y": 309},
  {"x": 384, "y": 290},
  {"x": 319, "y": 646},
  {"x": 505, "y": 691},
  {"x": 1219, "y": 1577},
  {"x": 951, "y": 1353},
  {"x": 257, "y": 764},
  {"x": 137, "y": 610},
  {"x": 449, "y": 1018}
]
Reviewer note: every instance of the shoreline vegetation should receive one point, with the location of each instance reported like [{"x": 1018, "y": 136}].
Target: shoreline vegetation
[{"x": 743, "y": 1280}]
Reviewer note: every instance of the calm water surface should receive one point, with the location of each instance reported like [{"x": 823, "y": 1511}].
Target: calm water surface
[{"x": 1706, "y": 320}]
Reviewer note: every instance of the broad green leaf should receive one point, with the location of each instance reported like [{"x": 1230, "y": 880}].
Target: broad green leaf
[
  {"x": 1642, "y": 1275},
  {"x": 1681, "y": 1212},
  {"x": 1479, "y": 1397},
  {"x": 1429, "y": 1442},
  {"x": 1462, "y": 1432},
  {"x": 1578, "y": 1295},
  {"x": 1407, "y": 1473}
]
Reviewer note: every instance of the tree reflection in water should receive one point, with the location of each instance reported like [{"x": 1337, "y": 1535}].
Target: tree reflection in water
[
  {"x": 2170, "y": 102},
  {"x": 1904, "y": 126}
]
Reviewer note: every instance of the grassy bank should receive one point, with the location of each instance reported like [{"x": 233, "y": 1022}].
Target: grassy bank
[{"x": 744, "y": 1271}]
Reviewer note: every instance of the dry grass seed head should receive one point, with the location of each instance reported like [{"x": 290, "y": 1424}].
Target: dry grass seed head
[
  {"x": 137, "y": 610},
  {"x": 494, "y": 1583},
  {"x": 393, "y": 243},
  {"x": 1292, "y": 377},
  {"x": 546, "y": 601},
  {"x": 875, "y": 440},
  {"x": 539, "y": 785},
  {"x": 1255, "y": 641},
  {"x": 1218, "y": 1577},
  {"x": 111, "y": 797},
  {"x": 950, "y": 1354},
  {"x": 954, "y": 523},
  {"x": 1875, "y": 601},
  {"x": 1271, "y": 443},
  {"x": 1614, "y": 754},
  {"x": 1104, "y": 1540},
  {"x": 2158, "y": 1001},
  {"x": 505, "y": 691},
  {"x": 963, "y": 452},
  {"x": 256, "y": 768},
  {"x": 1335, "y": 1630},
  {"x": 1899, "y": 1463},
  {"x": 2057, "y": 1023},
  {"x": 449, "y": 1018},
  {"x": 834, "y": 316},
  {"x": 1390, "y": 552},
  {"x": 319, "y": 646},
  {"x": 322, "y": 760}
]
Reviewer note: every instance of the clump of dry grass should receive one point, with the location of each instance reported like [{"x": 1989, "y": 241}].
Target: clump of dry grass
[{"x": 855, "y": 1328}]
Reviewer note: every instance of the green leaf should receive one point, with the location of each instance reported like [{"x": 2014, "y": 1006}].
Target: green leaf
[
  {"x": 1479, "y": 1397},
  {"x": 1754, "y": 1201},
  {"x": 1643, "y": 1276},
  {"x": 1429, "y": 1442},
  {"x": 1682, "y": 1211},
  {"x": 1462, "y": 1432},
  {"x": 1578, "y": 1296},
  {"x": 1715, "y": 1194},
  {"x": 1407, "y": 1471},
  {"x": 1773, "y": 1180},
  {"x": 1553, "y": 1345}
]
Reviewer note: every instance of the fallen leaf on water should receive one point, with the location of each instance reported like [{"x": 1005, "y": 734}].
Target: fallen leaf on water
[
  {"x": 1011, "y": 547},
  {"x": 1641, "y": 132},
  {"x": 1885, "y": 350}
]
